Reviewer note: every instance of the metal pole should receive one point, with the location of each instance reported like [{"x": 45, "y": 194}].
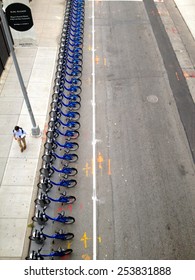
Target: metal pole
[{"x": 35, "y": 129}]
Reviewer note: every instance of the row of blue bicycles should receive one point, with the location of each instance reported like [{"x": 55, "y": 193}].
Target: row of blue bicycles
[{"x": 57, "y": 172}]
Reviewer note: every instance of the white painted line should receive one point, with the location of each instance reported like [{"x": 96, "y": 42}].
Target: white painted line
[
  {"x": 94, "y": 136},
  {"x": 99, "y": 1}
]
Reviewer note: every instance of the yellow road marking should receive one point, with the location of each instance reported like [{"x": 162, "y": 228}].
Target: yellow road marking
[
  {"x": 69, "y": 245},
  {"x": 99, "y": 239},
  {"x": 86, "y": 169},
  {"x": 84, "y": 239}
]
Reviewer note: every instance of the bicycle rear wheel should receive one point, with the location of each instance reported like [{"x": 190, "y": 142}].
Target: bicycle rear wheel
[
  {"x": 70, "y": 199},
  {"x": 70, "y": 158},
  {"x": 68, "y": 252},
  {"x": 69, "y": 183},
  {"x": 72, "y": 116},
  {"x": 69, "y": 220},
  {"x": 73, "y": 125},
  {"x": 73, "y": 134},
  {"x": 71, "y": 146}
]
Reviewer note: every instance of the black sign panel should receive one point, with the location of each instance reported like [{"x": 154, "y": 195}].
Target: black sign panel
[{"x": 19, "y": 16}]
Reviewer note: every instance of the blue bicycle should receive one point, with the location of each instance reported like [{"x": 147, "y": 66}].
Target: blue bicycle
[
  {"x": 58, "y": 97},
  {"x": 69, "y": 146},
  {"x": 73, "y": 125},
  {"x": 39, "y": 236},
  {"x": 75, "y": 89},
  {"x": 44, "y": 199},
  {"x": 72, "y": 116},
  {"x": 66, "y": 158},
  {"x": 61, "y": 78},
  {"x": 46, "y": 184},
  {"x": 70, "y": 134},
  {"x": 66, "y": 171},
  {"x": 58, "y": 253},
  {"x": 75, "y": 71},
  {"x": 71, "y": 105},
  {"x": 41, "y": 217}
]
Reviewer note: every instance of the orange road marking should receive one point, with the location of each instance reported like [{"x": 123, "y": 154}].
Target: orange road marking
[
  {"x": 86, "y": 257},
  {"x": 177, "y": 76},
  {"x": 104, "y": 61},
  {"x": 174, "y": 30},
  {"x": 189, "y": 75},
  {"x": 109, "y": 168},
  {"x": 186, "y": 75},
  {"x": 97, "y": 59},
  {"x": 100, "y": 160},
  {"x": 44, "y": 132}
]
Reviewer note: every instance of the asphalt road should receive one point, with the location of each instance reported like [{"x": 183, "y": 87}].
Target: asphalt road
[
  {"x": 146, "y": 206},
  {"x": 144, "y": 165}
]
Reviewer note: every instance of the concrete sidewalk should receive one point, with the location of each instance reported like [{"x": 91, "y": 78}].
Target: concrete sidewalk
[
  {"x": 187, "y": 10},
  {"x": 18, "y": 170}
]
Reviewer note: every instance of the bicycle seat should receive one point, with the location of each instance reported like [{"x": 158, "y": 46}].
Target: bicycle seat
[
  {"x": 60, "y": 231},
  {"x": 62, "y": 213},
  {"x": 63, "y": 194},
  {"x": 60, "y": 249}
]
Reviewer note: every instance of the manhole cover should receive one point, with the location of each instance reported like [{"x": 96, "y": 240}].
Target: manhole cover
[{"x": 152, "y": 99}]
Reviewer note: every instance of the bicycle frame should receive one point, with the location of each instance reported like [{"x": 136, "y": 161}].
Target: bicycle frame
[{"x": 58, "y": 253}]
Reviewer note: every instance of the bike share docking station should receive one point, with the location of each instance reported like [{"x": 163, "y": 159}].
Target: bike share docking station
[{"x": 57, "y": 175}]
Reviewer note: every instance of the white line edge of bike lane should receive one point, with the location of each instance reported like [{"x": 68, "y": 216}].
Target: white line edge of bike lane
[{"x": 94, "y": 197}]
